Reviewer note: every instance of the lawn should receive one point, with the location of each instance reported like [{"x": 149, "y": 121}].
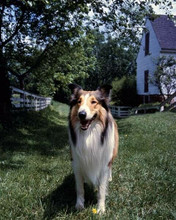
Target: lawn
[{"x": 36, "y": 179}]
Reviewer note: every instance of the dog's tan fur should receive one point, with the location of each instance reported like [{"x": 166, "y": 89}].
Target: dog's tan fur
[{"x": 97, "y": 114}]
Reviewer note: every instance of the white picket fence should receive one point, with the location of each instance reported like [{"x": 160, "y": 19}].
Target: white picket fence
[
  {"x": 120, "y": 111},
  {"x": 24, "y": 100}
]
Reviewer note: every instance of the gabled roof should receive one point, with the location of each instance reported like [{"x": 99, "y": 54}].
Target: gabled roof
[{"x": 165, "y": 30}]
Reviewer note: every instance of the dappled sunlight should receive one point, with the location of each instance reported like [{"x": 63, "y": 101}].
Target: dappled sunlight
[{"x": 33, "y": 133}]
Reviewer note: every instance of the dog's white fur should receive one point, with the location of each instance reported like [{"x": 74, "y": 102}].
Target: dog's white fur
[
  {"x": 90, "y": 161},
  {"x": 91, "y": 157}
]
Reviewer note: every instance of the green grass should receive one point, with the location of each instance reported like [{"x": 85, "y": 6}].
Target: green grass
[{"x": 36, "y": 179}]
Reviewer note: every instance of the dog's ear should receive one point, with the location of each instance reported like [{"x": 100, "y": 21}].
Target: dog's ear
[
  {"x": 105, "y": 91},
  {"x": 74, "y": 88}
]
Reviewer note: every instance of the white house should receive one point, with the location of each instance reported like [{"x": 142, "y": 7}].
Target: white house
[{"x": 159, "y": 39}]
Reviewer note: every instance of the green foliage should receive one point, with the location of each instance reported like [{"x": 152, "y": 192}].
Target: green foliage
[
  {"x": 124, "y": 91},
  {"x": 150, "y": 104},
  {"x": 66, "y": 62},
  {"x": 37, "y": 39},
  {"x": 75, "y": 63},
  {"x": 37, "y": 182},
  {"x": 114, "y": 58}
]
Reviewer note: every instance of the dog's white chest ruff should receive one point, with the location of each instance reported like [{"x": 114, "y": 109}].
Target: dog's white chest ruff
[{"x": 90, "y": 156}]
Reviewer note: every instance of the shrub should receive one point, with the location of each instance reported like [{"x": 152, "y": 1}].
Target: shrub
[{"x": 124, "y": 91}]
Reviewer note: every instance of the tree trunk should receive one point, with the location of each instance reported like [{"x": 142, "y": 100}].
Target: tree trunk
[{"x": 5, "y": 92}]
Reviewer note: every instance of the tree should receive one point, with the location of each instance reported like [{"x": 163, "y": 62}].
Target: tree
[
  {"x": 115, "y": 58},
  {"x": 29, "y": 30},
  {"x": 165, "y": 75},
  {"x": 70, "y": 62}
]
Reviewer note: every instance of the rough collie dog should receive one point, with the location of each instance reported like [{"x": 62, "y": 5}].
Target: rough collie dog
[{"x": 93, "y": 138}]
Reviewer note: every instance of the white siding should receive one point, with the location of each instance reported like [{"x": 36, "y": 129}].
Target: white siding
[{"x": 147, "y": 62}]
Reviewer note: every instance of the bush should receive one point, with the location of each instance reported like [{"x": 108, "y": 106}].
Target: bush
[{"x": 124, "y": 91}]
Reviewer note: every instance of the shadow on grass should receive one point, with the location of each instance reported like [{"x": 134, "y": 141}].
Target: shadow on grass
[
  {"x": 7, "y": 163},
  {"x": 62, "y": 200},
  {"x": 42, "y": 132}
]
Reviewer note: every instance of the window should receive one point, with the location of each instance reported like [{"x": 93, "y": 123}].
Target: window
[
  {"x": 146, "y": 77},
  {"x": 147, "y": 37}
]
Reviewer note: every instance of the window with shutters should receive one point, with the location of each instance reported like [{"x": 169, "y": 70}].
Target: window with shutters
[
  {"x": 147, "y": 38},
  {"x": 146, "y": 78}
]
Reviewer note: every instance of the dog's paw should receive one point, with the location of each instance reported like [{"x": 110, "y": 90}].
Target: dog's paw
[
  {"x": 101, "y": 210},
  {"x": 79, "y": 206},
  {"x": 110, "y": 179},
  {"x": 110, "y": 176}
]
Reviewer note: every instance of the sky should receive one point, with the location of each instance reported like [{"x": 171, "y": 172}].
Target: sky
[{"x": 159, "y": 10}]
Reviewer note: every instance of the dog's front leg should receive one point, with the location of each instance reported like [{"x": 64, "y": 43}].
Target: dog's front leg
[
  {"x": 79, "y": 191},
  {"x": 102, "y": 193}
]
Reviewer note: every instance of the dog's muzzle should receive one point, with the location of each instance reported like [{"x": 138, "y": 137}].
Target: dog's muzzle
[{"x": 85, "y": 123}]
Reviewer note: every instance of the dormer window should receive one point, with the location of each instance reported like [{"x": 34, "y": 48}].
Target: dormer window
[{"x": 147, "y": 38}]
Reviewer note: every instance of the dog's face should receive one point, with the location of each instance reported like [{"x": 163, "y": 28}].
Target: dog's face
[{"x": 87, "y": 106}]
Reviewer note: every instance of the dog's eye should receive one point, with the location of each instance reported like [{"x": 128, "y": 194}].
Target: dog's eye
[
  {"x": 93, "y": 102},
  {"x": 79, "y": 101}
]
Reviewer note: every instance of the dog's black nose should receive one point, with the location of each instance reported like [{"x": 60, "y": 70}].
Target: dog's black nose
[{"x": 82, "y": 115}]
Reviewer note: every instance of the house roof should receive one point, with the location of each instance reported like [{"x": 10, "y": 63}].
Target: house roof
[{"x": 165, "y": 30}]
